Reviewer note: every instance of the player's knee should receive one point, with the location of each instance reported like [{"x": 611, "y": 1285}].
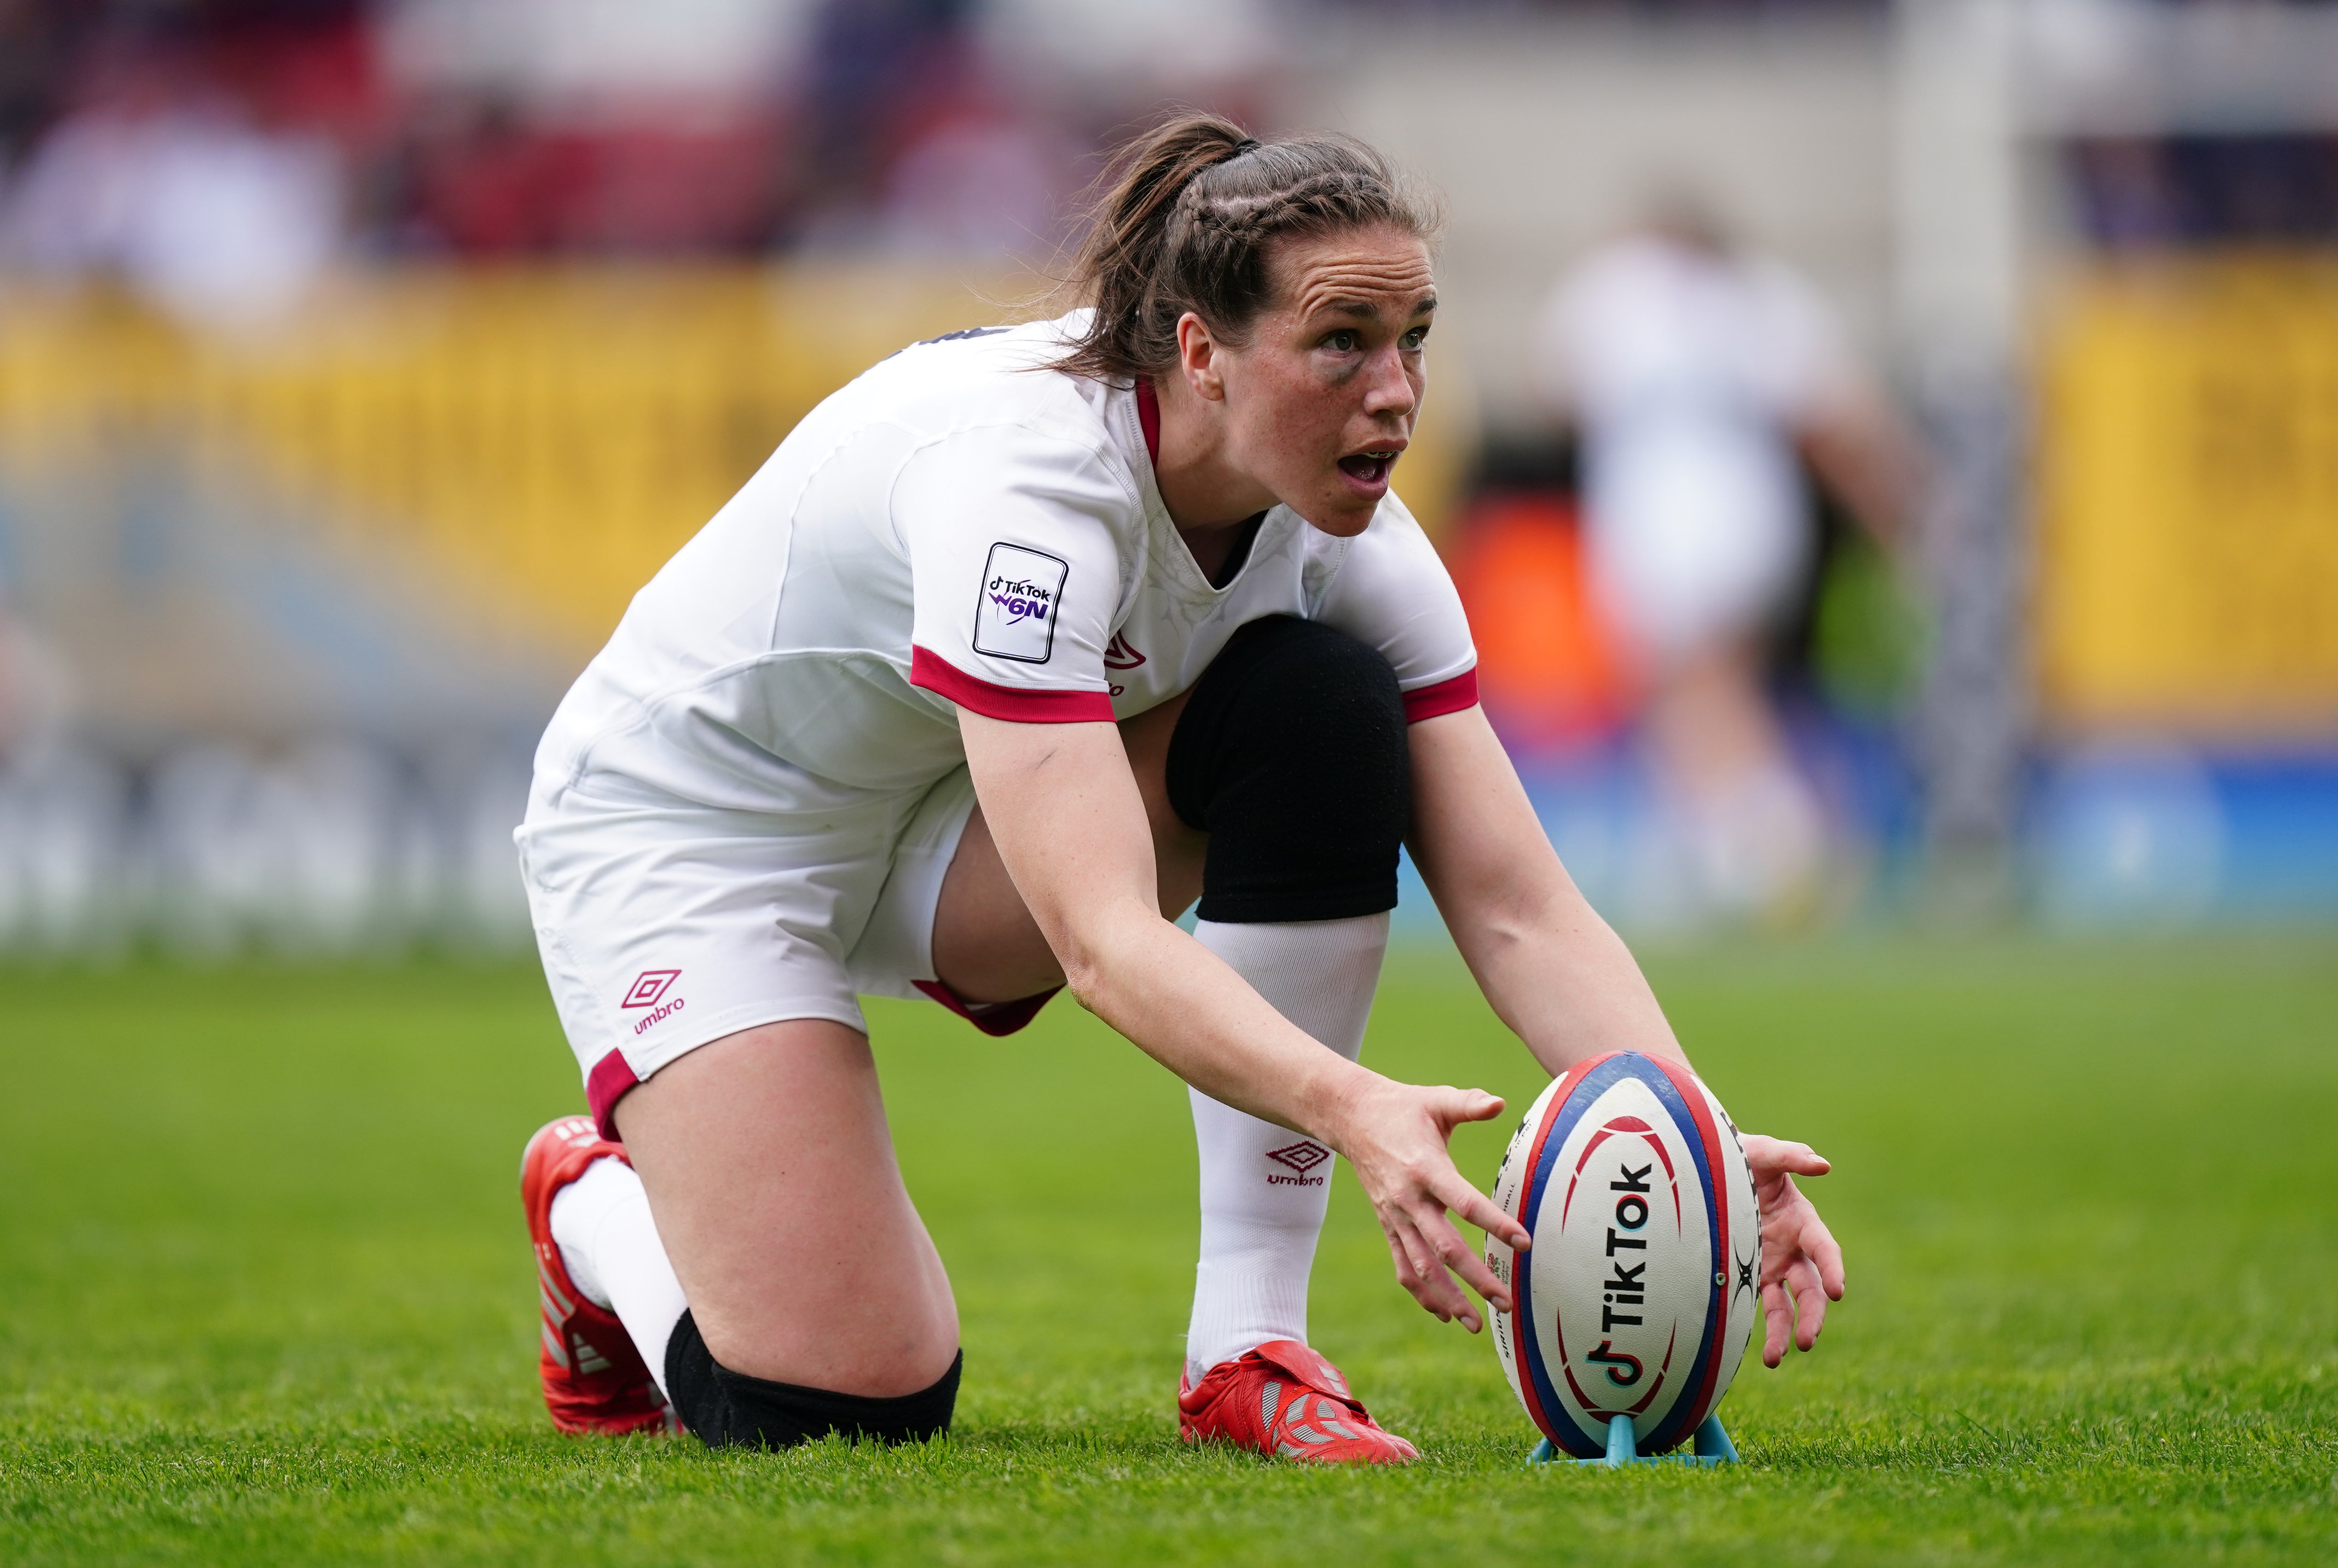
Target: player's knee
[
  {"x": 1292, "y": 755},
  {"x": 730, "y": 1409}
]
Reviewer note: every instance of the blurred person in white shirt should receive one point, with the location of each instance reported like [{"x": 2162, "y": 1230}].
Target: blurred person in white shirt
[
  {"x": 1699, "y": 375},
  {"x": 162, "y": 181}
]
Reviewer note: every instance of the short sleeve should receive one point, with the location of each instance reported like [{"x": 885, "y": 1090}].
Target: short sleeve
[
  {"x": 1392, "y": 591},
  {"x": 1798, "y": 355},
  {"x": 1015, "y": 572}
]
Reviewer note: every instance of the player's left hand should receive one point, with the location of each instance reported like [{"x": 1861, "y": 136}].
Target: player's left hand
[{"x": 1802, "y": 1267}]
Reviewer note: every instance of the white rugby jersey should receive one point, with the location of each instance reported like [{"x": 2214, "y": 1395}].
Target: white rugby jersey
[{"x": 958, "y": 528}]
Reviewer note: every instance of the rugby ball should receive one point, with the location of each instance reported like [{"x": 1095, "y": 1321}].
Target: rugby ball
[{"x": 1644, "y": 1281}]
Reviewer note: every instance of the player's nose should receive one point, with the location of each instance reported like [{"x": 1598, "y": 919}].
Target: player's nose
[{"x": 1390, "y": 392}]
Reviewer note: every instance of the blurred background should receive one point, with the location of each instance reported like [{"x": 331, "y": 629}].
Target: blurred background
[{"x": 1889, "y": 451}]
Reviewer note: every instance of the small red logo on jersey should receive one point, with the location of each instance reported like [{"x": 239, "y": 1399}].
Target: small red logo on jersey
[
  {"x": 649, "y": 987},
  {"x": 1119, "y": 655}
]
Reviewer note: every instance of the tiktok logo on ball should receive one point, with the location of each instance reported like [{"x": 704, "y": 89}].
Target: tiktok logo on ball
[
  {"x": 1617, "y": 1362},
  {"x": 1625, "y": 1286},
  {"x": 648, "y": 987}
]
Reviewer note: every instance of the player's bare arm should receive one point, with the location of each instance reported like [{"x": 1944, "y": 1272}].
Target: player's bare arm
[
  {"x": 1552, "y": 969},
  {"x": 1561, "y": 978},
  {"x": 1070, "y": 825}
]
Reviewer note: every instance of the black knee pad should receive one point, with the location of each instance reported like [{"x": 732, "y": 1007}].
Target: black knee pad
[
  {"x": 729, "y": 1410},
  {"x": 1291, "y": 754}
]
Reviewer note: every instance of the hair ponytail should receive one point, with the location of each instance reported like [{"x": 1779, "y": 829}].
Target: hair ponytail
[{"x": 1187, "y": 217}]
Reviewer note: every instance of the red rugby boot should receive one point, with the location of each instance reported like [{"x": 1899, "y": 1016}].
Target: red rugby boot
[
  {"x": 593, "y": 1378},
  {"x": 1284, "y": 1398}
]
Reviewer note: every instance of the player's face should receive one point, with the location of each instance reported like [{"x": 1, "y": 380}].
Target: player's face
[{"x": 1321, "y": 399}]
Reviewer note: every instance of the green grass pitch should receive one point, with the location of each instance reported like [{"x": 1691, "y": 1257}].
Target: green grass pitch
[{"x": 264, "y": 1293}]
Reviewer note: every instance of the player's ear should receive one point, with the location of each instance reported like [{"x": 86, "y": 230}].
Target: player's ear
[{"x": 1198, "y": 357}]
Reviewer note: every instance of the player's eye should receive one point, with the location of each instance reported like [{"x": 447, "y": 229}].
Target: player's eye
[
  {"x": 1343, "y": 341},
  {"x": 1416, "y": 338}
]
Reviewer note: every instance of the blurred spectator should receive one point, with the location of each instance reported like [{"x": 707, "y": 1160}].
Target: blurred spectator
[
  {"x": 535, "y": 126},
  {"x": 39, "y": 39},
  {"x": 481, "y": 178},
  {"x": 880, "y": 76},
  {"x": 572, "y": 58},
  {"x": 161, "y": 178},
  {"x": 1694, "y": 369},
  {"x": 976, "y": 188},
  {"x": 1130, "y": 51},
  {"x": 218, "y": 156},
  {"x": 2151, "y": 193}
]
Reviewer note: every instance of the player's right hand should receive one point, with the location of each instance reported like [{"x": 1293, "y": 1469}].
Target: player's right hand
[
  {"x": 1802, "y": 1264},
  {"x": 1394, "y": 1136}
]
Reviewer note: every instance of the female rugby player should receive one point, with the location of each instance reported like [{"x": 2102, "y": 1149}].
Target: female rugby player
[{"x": 1017, "y": 645}]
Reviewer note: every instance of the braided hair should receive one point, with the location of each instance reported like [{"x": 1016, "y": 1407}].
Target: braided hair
[{"x": 1188, "y": 219}]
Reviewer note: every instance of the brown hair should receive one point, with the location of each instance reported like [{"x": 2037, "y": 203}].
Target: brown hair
[{"x": 1187, "y": 219}]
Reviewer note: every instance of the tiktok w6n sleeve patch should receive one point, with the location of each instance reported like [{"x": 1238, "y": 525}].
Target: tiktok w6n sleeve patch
[{"x": 1022, "y": 590}]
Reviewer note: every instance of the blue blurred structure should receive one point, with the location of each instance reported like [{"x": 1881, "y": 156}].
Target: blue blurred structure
[
  {"x": 2138, "y": 838},
  {"x": 1604, "y": 810}
]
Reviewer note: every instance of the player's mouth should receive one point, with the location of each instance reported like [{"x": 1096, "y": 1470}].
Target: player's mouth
[{"x": 1370, "y": 468}]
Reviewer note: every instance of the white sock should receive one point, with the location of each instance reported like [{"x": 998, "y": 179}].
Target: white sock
[
  {"x": 609, "y": 1244},
  {"x": 1264, "y": 1189}
]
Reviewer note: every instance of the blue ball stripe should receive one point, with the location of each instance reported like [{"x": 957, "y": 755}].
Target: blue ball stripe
[
  {"x": 1674, "y": 1427},
  {"x": 1563, "y": 1123}
]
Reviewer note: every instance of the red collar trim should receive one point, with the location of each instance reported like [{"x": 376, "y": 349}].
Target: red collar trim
[{"x": 1148, "y": 414}]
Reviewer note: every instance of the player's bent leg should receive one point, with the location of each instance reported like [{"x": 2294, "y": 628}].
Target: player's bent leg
[
  {"x": 817, "y": 1301},
  {"x": 1278, "y": 790},
  {"x": 732, "y": 1409},
  {"x": 1265, "y": 1191},
  {"x": 594, "y": 1378},
  {"x": 610, "y": 1246},
  {"x": 1291, "y": 754}
]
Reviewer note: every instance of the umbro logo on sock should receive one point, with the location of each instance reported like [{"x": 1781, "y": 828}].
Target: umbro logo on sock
[{"x": 1301, "y": 1157}]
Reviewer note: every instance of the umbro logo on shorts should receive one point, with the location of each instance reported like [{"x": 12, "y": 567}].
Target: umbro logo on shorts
[
  {"x": 1301, "y": 1157},
  {"x": 649, "y": 986}
]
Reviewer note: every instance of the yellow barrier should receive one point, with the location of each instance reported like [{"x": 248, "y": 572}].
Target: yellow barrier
[
  {"x": 2189, "y": 499},
  {"x": 539, "y": 438}
]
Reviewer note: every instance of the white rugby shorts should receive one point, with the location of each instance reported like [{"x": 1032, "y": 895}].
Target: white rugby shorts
[{"x": 664, "y": 924}]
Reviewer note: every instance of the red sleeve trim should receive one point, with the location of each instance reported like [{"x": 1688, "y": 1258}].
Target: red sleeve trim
[
  {"x": 1012, "y": 704},
  {"x": 1445, "y": 696}
]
